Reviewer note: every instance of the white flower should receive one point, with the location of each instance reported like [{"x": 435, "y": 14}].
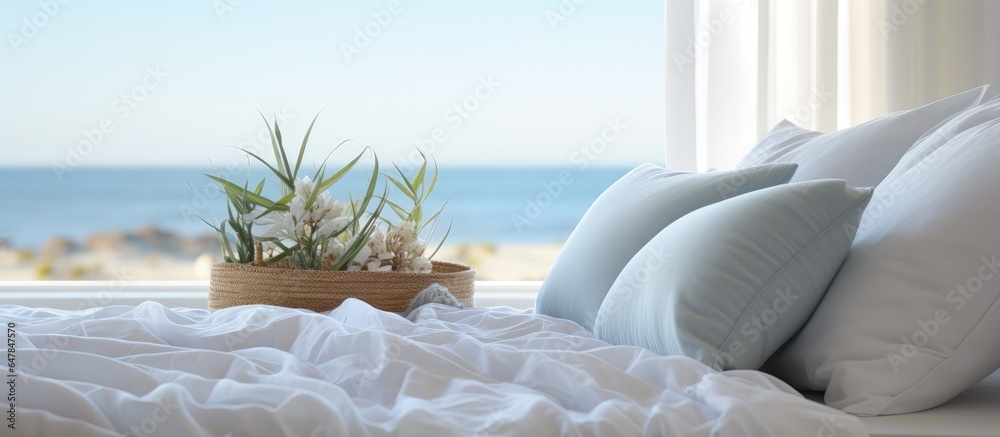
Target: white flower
[
  {"x": 303, "y": 187},
  {"x": 335, "y": 249},
  {"x": 421, "y": 265},
  {"x": 309, "y": 225},
  {"x": 362, "y": 255},
  {"x": 277, "y": 224},
  {"x": 251, "y": 216},
  {"x": 332, "y": 226},
  {"x": 319, "y": 232},
  {"x": 399, "y": 249}
]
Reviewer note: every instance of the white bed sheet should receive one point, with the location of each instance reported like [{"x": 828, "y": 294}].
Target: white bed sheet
[
  {"x": 973, "y": 413},
  {"x": 267, "y": 371}
]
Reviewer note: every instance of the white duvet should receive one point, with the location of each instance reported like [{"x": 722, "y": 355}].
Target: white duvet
[{"x": 268, "y": 371}]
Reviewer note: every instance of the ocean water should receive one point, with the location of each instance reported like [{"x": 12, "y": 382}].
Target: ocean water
[{"x": 488, "y": 205}]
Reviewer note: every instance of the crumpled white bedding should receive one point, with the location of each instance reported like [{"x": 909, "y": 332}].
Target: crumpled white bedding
[{"x": 268, "y": 371}]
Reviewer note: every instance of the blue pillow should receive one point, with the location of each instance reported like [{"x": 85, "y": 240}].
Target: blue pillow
[
  {"x": 731, "y": 282},
  {"x": 626, "y": 216}
]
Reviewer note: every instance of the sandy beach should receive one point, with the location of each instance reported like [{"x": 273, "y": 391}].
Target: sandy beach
[{"x": 150, "y": 254}]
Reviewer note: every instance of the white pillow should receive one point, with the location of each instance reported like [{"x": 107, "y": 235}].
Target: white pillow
[
  {"x": 866, "y": 153},
  {"x": 939, "y": 135},
  {"x": 784, "y": 138},
  {"x": 623, "y": 219},
  {"x": 912, "y": 317}
]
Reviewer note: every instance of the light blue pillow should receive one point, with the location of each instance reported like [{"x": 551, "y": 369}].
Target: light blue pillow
[
  {"x": 626, "y": 216},
  {"x": 731, "y": 282}
]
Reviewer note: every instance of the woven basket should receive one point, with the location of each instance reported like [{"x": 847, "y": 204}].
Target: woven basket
[{"x": 235, "y": 284}]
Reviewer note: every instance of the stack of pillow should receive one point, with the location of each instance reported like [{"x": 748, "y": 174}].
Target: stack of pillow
[{"x": 886, "y": 296}]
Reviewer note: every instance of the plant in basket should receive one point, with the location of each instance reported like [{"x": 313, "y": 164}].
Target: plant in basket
[{"x": 306, "y": 249}]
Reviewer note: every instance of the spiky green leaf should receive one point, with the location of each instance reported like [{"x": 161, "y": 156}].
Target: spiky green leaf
[{"x": 302, "y": 149}]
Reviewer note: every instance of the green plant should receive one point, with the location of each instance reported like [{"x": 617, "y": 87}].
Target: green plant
[
  {"x": 305, "y": 228},
  {"x": 418, "y": 190}
]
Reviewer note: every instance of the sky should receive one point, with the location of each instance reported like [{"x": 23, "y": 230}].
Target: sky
[{"x": 486, "y": 82}]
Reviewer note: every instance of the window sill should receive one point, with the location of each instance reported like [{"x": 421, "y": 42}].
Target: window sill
[{"x": 74, "y": 295}]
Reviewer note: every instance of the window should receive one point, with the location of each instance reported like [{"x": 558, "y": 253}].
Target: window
[{"x": 113, "y": 110}]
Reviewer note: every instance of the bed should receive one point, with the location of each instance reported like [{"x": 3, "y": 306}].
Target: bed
[
  {"x": 268, "y": 371},
  {"x": 895, "y": 316},
  {"x": 974, "y": 413}
]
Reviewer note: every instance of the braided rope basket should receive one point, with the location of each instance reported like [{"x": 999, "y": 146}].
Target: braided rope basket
[{"x": 235, "y": 284}]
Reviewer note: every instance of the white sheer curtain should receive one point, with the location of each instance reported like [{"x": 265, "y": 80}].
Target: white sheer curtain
[{"x": 737, "y": 67}]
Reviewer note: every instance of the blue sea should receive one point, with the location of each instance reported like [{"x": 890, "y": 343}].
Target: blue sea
[{"x": 488, "y": 205}]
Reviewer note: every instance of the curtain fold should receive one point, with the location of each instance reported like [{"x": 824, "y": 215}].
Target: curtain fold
[
  {"x": 735, "y": 68},
  {"x": 680, "y": 84}
]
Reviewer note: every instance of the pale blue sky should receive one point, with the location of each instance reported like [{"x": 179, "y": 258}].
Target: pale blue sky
[{"x": 557, "y": 86}]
